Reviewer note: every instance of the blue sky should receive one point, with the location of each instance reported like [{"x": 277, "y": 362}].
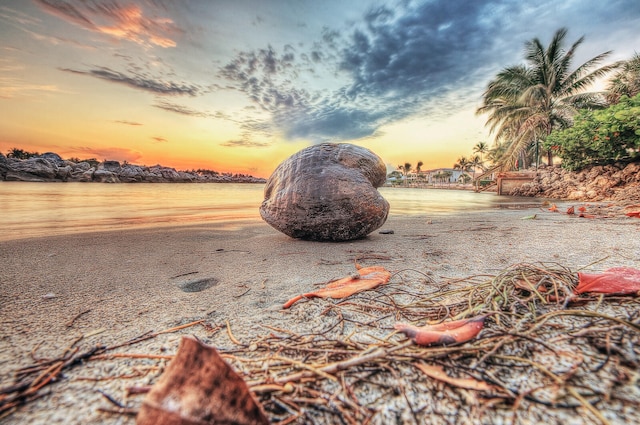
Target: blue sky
[{"x": 240, "y": 85}]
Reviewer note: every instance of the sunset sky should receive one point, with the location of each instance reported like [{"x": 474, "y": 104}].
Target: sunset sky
[{"x": 239, "y": 85}]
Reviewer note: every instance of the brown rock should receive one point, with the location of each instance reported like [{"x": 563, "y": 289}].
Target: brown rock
[{"x": 327, "y": 192}]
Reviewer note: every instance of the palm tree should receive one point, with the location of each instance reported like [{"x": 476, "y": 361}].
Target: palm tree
[
  {"x": 419, "y": 166},
  {"x": 625, "y": 82},
  {"x": 474, "y": 163},
  {"x": 406, "y": 168},
  {"x": 481, "y": 148},
  {"x": 462, "y": 164},
  {"x": 526, "y": 102}
]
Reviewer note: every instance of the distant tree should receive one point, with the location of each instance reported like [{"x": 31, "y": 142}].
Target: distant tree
[
  {"x": 626, "y": 81},
  {"x": 463, "y": 164},
  {"x": 21, "y": 154},
  {"x": 474, "y": 163},
  {"x": 405, "y": 170},
  {"x": 419, "y": 166},
  {"x": 481, "y": 148}
]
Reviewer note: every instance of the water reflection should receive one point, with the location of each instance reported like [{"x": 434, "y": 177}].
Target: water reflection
[
  {"x": 41, "y": 209},
  {"x": 411, "y": 201}
]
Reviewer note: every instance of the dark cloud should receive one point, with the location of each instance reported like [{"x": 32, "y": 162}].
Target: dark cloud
[
  {"x": 392, "y": 64},
  {"x": 159, "y": 139},
  {"x": 141, "y": 81},
  {"x": 413, "y": 59}
]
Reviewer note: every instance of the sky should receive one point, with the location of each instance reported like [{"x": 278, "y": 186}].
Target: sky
[{"x": 240, "y": 85}]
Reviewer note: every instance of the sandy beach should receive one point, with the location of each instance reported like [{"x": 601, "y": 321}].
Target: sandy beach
[{"x": 111, "y": 287}]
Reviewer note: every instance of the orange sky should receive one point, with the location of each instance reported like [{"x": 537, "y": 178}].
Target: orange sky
[{"x": 239, "y": 87}]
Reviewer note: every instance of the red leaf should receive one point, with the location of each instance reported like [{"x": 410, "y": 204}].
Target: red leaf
[
  {"x": 617, "y": 280},
  {"x": 633, "y": 214},
  {"x": 444, "y": 333}
]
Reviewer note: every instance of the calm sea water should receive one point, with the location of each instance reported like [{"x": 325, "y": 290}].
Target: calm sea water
[{"x": 42, "y": 209}]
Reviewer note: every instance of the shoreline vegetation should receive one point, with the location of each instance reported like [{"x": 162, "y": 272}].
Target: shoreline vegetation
[{"x": 50, "y": 167}]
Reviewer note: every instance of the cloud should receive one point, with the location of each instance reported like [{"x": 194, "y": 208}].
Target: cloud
[
  {"x": 390, "y": 66},
  {"x": 429, "y": 58},
  {"x": 108, "y": 153},
  {"x": 140, "y": 81},
  {"x": 125, "y": 122},
  {"x": 242, "y": 143},
  {"x": 159, "y": 139},
  {"x": 116, "y": 20},
  {"x": 181, "y": 109}
]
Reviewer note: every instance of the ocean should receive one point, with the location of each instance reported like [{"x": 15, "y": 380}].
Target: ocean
[{"x": 46, "y": 209}]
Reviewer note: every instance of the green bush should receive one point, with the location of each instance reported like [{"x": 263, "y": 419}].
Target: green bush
[{"x": 600, "y": 137}]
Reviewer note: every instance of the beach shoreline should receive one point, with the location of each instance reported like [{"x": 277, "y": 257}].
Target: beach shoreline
[{"x": 113, "y": 286}]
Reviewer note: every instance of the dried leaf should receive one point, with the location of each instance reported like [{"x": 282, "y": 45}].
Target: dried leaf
[
  {"x": 199, "y": 387},
  {"x": 437, "y": 372},
  {"x": 617, "y": 280},
  {"x": 367, "y": 278}
]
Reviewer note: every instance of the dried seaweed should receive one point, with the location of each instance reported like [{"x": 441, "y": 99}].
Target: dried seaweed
[{"x": 543, "y": 354}]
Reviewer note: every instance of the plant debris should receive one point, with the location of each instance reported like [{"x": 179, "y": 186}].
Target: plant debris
[{"x": 544, "y": 354}]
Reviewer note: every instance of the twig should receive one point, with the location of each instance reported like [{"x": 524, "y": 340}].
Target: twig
[{"x": 70, "y": 322}]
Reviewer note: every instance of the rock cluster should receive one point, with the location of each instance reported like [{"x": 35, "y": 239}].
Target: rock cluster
[
  {"x": 617, "y": 182},
  {"x": 327, "y": 192},
  {"x": 50, "y": 167}
]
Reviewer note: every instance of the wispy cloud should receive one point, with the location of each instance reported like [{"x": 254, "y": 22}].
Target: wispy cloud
[
  {"x": 116, "y": 20},
  {"x": 12, "y": 86},
  {"x": 109, "y": 153},
  {"x": 180, "y": 109},
  {"x": 244, "y": 143},
  {"x": 159, "y": 139},
  {"x": 15, "y": 16},
  {"x": 125, "y": 122},
  {"x": 140, "y": 81}
]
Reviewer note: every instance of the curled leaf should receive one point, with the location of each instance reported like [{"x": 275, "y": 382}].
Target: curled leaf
[{"x": 445, "y": 333}]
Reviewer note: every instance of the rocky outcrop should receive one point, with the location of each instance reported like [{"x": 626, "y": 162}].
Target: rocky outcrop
[
  {"x": 617, "y": 182},
  {"x": 50, "y": 167},
  {"x": 327, "y": 192}
]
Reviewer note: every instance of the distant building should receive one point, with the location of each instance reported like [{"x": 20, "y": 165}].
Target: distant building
[{"x": 443, "y": 175}]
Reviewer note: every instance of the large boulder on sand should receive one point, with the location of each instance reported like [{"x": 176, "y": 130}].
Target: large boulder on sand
[{"x": 327, "y": 192}]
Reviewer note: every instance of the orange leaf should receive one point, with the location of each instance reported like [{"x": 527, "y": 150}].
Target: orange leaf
[
  {"x": 633, "y": 214},
  {"x": 367, "y": 278},
  {"x": 617, "y": 280},
  {"x": 437, "y": 372}
]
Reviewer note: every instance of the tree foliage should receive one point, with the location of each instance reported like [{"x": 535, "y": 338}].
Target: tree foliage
[
  {"x": 21, "y": 154},
  {"x": 601, "y": 136},
  {"x": 526, "y": 102}
]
